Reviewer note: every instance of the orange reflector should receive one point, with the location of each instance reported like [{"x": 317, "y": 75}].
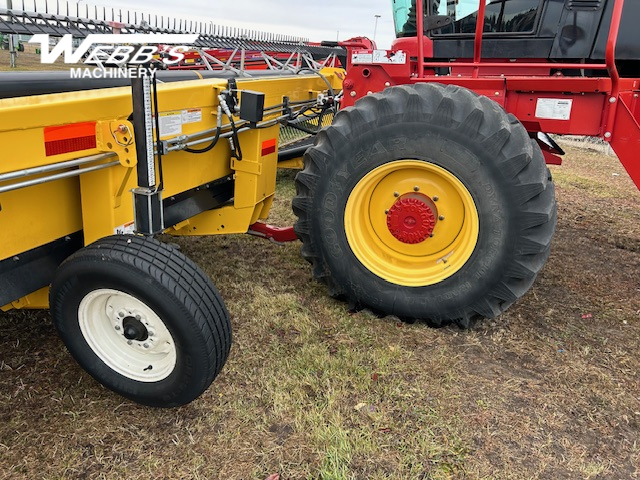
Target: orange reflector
[
  {"x": 69, "y": 138},
  {"x": 268, "y": 147}
]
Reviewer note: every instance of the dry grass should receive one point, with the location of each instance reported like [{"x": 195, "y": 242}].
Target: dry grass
[
  {"x": 29, "y": 61},
  {"x": 549, "y": 390}
]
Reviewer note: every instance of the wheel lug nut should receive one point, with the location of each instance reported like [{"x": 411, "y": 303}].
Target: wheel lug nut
[
  {"x": 441, "y": 217},
  {"x": 396, "y": 194},
  {"x": 146, "y": 345},
  {"x": 118, "y": 327},
  {"x": 435, "y": 199},
  {"x": 129, "y": 342},
  {"x": 416, "y": 189},
  {"x": 386, "y": 212},
  {"x": 121, "y": 314},
  {"x": 138, "y": 317}
]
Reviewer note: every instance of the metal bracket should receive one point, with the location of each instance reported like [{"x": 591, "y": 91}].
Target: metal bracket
[
  {"x": 433, "y": 22},
  {"x": 117, "y": 136},
  {"x": 148, "y": 211}
]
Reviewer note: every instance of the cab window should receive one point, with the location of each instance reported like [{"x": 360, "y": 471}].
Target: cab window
[{"x": 507, "y": 16}]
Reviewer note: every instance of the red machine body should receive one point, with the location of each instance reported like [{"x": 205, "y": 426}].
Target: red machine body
[{"x": 547, "y": 97}]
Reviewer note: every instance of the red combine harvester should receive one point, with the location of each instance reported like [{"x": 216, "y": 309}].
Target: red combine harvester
[{"x": 429, "y": 197}]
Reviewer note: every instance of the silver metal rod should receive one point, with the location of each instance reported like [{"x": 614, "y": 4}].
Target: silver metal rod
[
  {"x": 51, "y": 178},
  {"x": 56, "y": 166},
  {"x": 182, "y": 145},
  {"x": 181, "y": 139}
]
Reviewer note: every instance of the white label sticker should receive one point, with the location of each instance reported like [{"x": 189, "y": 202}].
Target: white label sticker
[
  {"x": 193, "y": 115},
  {"x": 554, "y": 108},
  {"x": 384, "y": 56},
  {"x": 125, "y": 229},
  {"x": 362, "y": 58},
  {"x": 170, "y": 123},
  {"x": 379, "y": 56}
]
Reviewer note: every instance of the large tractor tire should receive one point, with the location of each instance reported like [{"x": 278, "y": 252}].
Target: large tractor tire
[
  {"x": 428, "y": 202},
  {"x": 142, "y": 319}
]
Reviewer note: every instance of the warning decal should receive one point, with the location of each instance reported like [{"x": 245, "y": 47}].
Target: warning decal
[
  {"x": 128, "y": 228},
  {"x": 193, "y": 115},
  {"x": 170, "y": 123},
  {"x": 554, "y": 108}
]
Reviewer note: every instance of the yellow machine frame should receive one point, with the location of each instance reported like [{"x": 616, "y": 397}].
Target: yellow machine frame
[{"x": 97, "y": 201}]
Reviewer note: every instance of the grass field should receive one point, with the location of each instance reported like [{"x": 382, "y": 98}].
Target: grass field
[
  {"x": 28, "y": 61},
  {"x": 549, "y": 390}
]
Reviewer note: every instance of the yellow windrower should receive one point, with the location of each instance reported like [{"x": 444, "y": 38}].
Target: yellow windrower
[
  {"x": 99, "y": 203},
  {"x": 88, "y": 178}
]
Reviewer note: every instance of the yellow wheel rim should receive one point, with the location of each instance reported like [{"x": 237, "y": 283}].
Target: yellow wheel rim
[{"x": 411, "y": 223}]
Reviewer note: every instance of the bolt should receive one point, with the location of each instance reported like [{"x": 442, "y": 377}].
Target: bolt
[
  {"x": 435, "y": 199},
  {"x": 151, "y": 334},
  {"x": 129, "y": 342},
  {"x": 431, "y": 235},
  {"x": 416, "y": 188},
  {"x": 146, "y": 345},
  {"x": 387, "y": 84},
  {"x": 118, "y": 327},
  {"x": 497, "y": 94},
  {"x": 122, "y": 128},
  {"x": 386, "y": 212},
  {"x": 396, "y": 194},
  {"x": 353, "y": 94},
  {"x": 444, "y": 260},
  {"x": 607, "y": 135},
  {"x": 612, "y": 100},
  {"x": 369, "y": 92},
  {"x": 138, "y": 317},
  {"x": 121, "y": 314},
  {"x": 441, "y": 217}
]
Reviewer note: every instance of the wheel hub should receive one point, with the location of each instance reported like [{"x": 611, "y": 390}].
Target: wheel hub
[
  {"x": 412, "y": 218},
  {"x": 134, "y": 329}
]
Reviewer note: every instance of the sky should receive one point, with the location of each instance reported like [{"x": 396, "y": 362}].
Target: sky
[{"x": 316, "y": 20}]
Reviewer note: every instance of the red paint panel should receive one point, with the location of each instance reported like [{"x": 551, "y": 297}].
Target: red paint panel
[
  {"x": 277, "y": 234},
  {"x": 551, "y": 158},
  {"x": 626, "y": 139},
  {"x": 268, "y": 147},
  {"x": 69, "y": 138},
  {"x": 585, "y": 119}
]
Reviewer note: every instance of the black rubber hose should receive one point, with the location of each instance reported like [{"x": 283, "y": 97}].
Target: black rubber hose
[{"x": 208, "y": 147}]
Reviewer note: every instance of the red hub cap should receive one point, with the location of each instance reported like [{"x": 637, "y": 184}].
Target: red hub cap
[{"x": 412, "y": 219}]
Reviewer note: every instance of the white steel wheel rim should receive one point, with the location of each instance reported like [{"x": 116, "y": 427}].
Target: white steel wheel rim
[{"x": 105, "y": 314}]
